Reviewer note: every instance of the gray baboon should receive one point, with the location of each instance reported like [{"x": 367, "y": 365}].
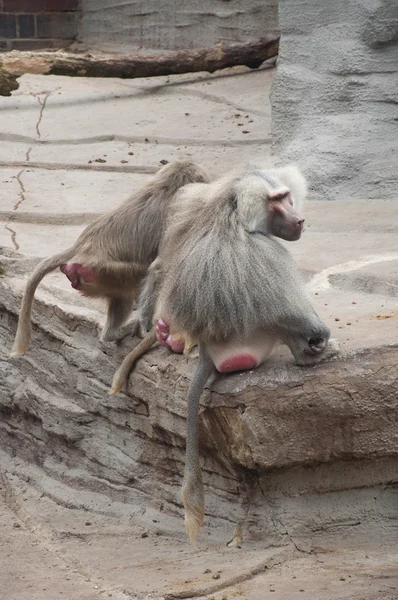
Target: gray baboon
[
  {"x": 112, "y": 255},
  {"x": 282, "y": 191},
  {"x": 230, "y": 286}
]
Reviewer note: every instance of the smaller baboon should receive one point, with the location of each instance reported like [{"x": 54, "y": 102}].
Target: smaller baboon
[
  {"x": 112, "y": 255},
  {"x": 233, "y": 288}
]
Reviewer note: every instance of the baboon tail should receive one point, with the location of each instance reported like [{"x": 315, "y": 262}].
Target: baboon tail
[
  {"x": 123, "y": 371},
  {"x": 193, "y": 496},
  {"x": 22, "y": 337}
]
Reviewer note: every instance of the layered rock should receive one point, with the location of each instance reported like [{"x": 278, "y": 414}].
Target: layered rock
[{"x": 334, "y": 102}]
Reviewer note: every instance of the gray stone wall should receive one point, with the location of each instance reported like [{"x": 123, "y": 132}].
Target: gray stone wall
[
  {"x": 171, "y": 25},
  {"x": 335, "y": 96}
]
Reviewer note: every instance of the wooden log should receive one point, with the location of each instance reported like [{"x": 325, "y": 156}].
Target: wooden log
[{"x": 220, "y": 56}]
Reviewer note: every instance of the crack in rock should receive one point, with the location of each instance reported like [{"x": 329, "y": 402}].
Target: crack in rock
[
  {"x": 13, "y": 236},
  {"x": 228, "y": 143},
  {"x": 42, "y": 104},
  {"x": 21, "y": 193},
  {"x": 80, "y": 167}
]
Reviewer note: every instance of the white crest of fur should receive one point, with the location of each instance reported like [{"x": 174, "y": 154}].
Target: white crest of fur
[
  {"x": 293, "y": 178},
  {"x": 251, "y": 192}
]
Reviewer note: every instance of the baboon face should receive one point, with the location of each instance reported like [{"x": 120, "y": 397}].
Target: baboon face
[{"x": 282, "y": 219}]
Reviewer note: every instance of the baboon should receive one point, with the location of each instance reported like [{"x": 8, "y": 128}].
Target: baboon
[
  {"x": 112, "y": 255},
  {"x": 281, "y": 190},
  {"x": 228, "y": 284}
]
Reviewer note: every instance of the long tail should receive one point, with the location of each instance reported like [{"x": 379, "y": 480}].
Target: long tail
[
  {"x": 22, "y": 337},
  {"x": 193, "y": 496},
  {"x": 123, "y": 371}
]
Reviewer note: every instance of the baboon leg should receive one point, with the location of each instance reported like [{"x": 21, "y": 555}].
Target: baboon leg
[
  {"x": 118, "y": 311},
  {"x": 123, "y": 371},
  {"x": 148, "y": 296}
]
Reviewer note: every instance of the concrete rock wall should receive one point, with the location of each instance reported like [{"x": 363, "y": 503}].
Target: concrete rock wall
[
  {"x": 336, "y": 93},
  {"x": 175, "y": 25}
]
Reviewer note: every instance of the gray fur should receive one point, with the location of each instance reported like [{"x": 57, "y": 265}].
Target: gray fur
[
  {"x": 132, "y": 232},
  {"x": 148, "y": 296},
  {"x": 223, "y": 281}
]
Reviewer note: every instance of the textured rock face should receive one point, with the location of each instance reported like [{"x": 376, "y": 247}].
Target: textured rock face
[
  {"x": 175, "y": 25},
  {"x": 336, "y": 93},
  {"x": 8, "y": 82},
  {"x": 277, "y": 443}
]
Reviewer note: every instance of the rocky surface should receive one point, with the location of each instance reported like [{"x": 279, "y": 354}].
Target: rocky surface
[
  {"x": 173, "y": 26},
  {"x": 335, "y": 96},
  {"x": 278, "y": 417},
  {"x": 299, "y": 464},
  {"x": 8, "y": 83}
]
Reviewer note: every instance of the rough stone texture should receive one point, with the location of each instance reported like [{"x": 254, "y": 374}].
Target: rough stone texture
[
  {"x": 303, "y": 458},
  {"x": 8, "y": 83},
  {"x": 300, "y": 463},
  {"x": 169, "y": 25},
  {"x": 336, "y": 93}
]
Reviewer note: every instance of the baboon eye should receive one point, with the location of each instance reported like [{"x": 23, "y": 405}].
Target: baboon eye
[{"x": 279, "y": 196}]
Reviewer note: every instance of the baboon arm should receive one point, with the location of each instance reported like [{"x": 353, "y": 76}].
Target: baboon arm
[
  {"x": 22, "y": 337},
  {"x": 123, "y": 371},
  {"x": 193, "y": 496}
]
